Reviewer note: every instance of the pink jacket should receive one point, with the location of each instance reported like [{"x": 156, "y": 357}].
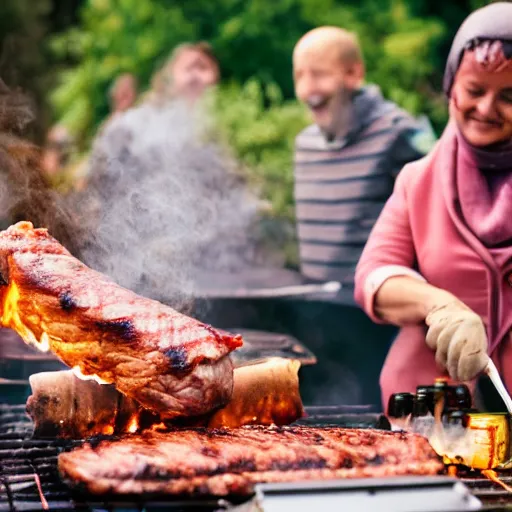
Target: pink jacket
[{"x": 420, "y": 228}]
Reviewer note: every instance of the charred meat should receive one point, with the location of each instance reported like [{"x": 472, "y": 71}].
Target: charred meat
[
  {"x": 230, "y": 461},
  {"x": 166, "y": 361}
]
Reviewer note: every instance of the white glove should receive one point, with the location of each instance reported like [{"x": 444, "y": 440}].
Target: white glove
[{"x": 458, "y": 336}]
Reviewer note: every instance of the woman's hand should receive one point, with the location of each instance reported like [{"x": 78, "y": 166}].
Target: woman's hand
[
  {"x": 458, "y": 336},
  {"x": 456, "y": 333}
]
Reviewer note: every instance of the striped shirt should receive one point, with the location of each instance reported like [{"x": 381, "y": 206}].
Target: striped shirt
[{"x": 342, "y": 186}]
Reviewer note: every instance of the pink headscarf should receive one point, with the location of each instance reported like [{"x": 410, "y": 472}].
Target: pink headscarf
[{"x": 489, "y": 23}]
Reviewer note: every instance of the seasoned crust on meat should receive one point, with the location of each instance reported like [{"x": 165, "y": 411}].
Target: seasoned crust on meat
[
  {"x": 166, "y": 361},
  {"x": 231, "y": 461}
]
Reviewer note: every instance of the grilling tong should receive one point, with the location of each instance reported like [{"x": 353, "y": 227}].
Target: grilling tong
[{"x": 492, "y": 372}]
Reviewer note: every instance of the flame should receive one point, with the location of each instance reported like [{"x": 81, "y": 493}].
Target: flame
[
  {"x": 158, "y": 426},
  {"x": 11, "y": 318},
  {"x": 133, "y": 425},
  {"x": 493, "y": 476},
  {"x": 108, "y": 430},
  {"x": 78, "y": 373},
  {"x": 452, "y": 470}
]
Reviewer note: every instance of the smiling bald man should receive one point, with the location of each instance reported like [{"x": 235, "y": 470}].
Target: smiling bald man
[
  {"x": 346, "y": 162},
  {"x": 345, "y": 167}
]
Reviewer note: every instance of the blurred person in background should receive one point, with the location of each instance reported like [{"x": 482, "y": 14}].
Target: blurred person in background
[
  {"x": 123, "y": 94},
  {"x": 191, "y": 69},
  {"x": 56, "y": 156},
  {"x": 345, "y": 166},
  {"x": 438, "y": 262},
  {"x": 63, "y": 167},
  {"x": 346, "y": 162}
]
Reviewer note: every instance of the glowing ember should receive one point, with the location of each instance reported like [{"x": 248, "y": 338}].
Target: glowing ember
[
  {"x": 492, "y": 475},
  {"x": 452, "y": 471},
  {"x": 158, "y": 426},
  {"x": 78, "y": 373},
  {"x": 44, "y": 503},
  {"x": 108, "y": 430},
  {"x": 11, "y": 318}
]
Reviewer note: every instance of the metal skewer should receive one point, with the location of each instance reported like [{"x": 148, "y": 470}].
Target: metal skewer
[{"x": 494, "y": 375}]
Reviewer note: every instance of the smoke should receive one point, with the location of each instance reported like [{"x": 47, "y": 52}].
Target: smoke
[
  {"x": 165, "y": 207},
  {"x": 24, "y": 193},
  {"x": 330, "y": 383},
  {"x": 451, "y": 440}
]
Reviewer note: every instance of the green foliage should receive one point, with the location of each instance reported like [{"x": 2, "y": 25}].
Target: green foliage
[
  {"x": 261, "y": 128},
  {"x": 401, "y": 40}
]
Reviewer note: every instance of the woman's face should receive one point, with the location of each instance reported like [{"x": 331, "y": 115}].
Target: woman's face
[
  {"x": 192, "y": 73},
  {"x": 481, "y": 102}
]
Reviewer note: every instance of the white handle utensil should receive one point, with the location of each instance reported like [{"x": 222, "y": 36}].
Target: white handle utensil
[{"x": 494, "y": 375}]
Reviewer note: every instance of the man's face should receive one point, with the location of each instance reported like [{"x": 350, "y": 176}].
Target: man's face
[
  {"x": 193, "y": 72},
  {"x": 321, "y": 83}
]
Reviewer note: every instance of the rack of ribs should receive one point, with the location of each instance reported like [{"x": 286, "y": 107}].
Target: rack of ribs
[
  {"x": 230, "y": 461},
  {"x": 166, "y": 361}
]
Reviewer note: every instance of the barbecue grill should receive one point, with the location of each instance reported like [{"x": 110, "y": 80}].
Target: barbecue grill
[
  {"x": 29, "y": 480},
  {"x": 350, "y": 348}
]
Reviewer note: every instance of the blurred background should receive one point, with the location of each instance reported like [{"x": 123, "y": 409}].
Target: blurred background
[{"x": 67, "y": 54}]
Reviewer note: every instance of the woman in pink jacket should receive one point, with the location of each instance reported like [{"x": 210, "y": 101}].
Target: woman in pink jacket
[{"x": 439, "y": 260}]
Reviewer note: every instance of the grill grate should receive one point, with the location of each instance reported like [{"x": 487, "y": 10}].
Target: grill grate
[
  {"x": 490, "y": 493},
  {"x": 29, "y": 479}
]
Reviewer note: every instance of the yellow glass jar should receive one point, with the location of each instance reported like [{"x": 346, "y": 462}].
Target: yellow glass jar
[{"x": 485, "y": 443}]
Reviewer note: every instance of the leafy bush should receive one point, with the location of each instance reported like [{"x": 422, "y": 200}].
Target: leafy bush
[{"x": 260, "y": 127}]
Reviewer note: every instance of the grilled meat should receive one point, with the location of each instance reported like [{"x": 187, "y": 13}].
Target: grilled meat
[
  {"x": 264, "y": 393},
  {"x": 223, "y": 461},
  {"x": 62, "y": 405},
  {"x": 164, "y": 360}
]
